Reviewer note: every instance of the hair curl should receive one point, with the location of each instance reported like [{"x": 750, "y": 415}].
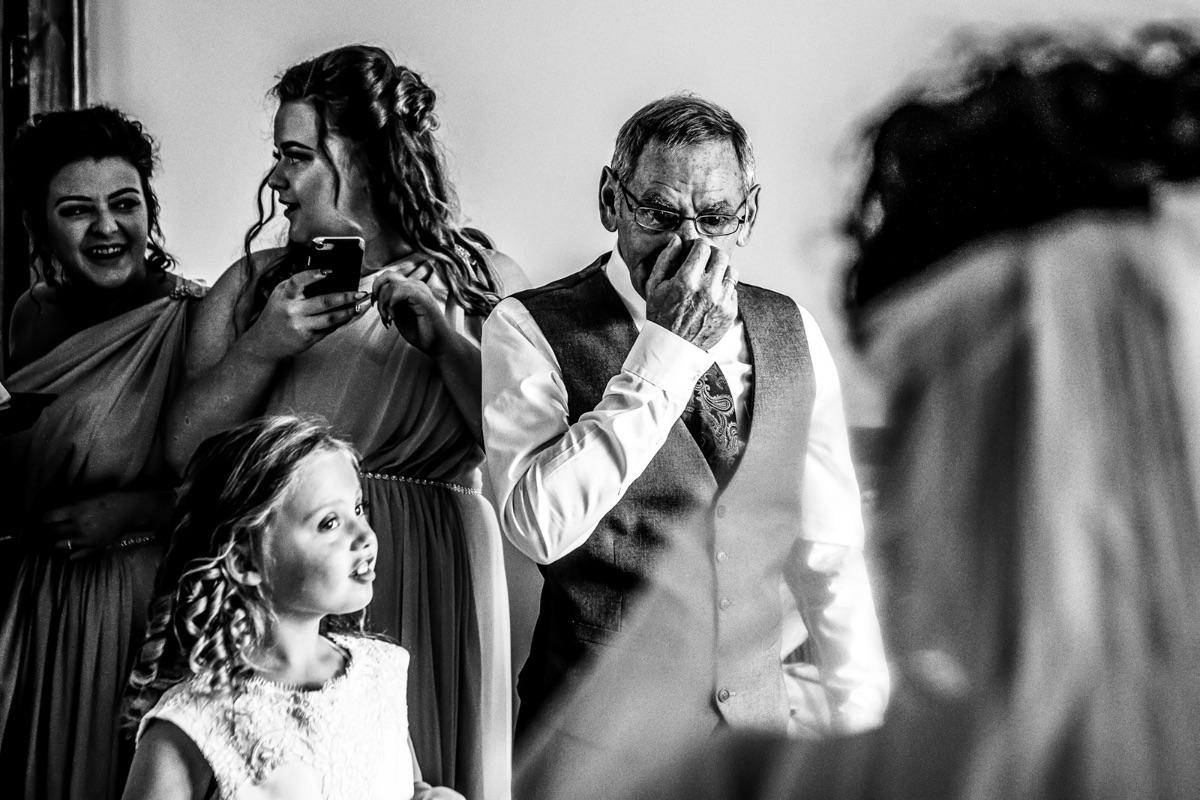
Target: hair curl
[
  {"x": 49, "y": 142},
  {"x": 1029, "y": 127},
  {"x": 386, "y": 111},
  {"x": 204, "y": 622}
]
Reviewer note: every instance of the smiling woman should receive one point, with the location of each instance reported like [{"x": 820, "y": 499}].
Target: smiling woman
[
  {"x": 84, "y": 184},
  {"x": 97, "y": 216},
  {"x": 103, "y": 331}
]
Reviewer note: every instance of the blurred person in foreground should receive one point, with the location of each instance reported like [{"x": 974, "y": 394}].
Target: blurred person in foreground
[{"x": 1026, "y": 258}]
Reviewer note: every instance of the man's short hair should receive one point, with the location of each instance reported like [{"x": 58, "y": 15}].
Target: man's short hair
[{"x": 680, "y": 120}]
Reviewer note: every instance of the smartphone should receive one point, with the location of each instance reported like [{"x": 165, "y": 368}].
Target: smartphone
[{"x": 342, "y": 256}]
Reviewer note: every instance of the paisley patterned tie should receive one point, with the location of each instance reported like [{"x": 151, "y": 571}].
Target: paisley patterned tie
[{"x": 710, "y": 417}]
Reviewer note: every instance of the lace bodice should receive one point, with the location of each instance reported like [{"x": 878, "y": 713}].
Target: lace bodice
[{"x": 347, "y": 740}]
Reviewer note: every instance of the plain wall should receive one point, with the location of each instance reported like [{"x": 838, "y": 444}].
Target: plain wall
[{"x": 530, "y": 96}]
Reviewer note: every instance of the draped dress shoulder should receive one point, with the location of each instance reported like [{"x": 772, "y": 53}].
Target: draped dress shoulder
[{"x": 69, "y": 629}]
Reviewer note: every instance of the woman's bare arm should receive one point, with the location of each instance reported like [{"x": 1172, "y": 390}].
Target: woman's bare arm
[
  {"x": 227, "y": 376},
  {"x": 222, "y": 386}
]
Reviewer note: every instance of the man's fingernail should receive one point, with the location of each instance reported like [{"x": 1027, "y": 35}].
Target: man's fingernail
[
  {"x": 326, "y": 271},
  {"x": 362, "y": 295}
]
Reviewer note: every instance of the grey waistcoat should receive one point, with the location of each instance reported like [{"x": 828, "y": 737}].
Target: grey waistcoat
[{"x": 747, "y": 531}]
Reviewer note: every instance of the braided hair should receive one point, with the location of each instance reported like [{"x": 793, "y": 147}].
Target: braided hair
[{"x": 386, "y": 112}]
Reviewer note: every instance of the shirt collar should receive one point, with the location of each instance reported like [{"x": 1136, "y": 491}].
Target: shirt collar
[{"x": 617, "y": 272}]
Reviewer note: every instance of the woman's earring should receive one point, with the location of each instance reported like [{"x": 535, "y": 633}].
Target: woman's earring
[{"x": 53, "y": 273}]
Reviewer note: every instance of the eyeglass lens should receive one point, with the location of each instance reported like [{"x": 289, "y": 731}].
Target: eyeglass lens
[{"x": 658, "y": 219}]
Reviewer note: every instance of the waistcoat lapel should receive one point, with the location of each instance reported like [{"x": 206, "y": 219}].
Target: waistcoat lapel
[{"x": 782, "y": 393}]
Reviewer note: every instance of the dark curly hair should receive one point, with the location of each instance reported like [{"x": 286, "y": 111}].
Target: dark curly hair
[
  {"x": 385, "y": 110},
  {"x": 1034, "y": 126},
  {"x": 203, "y": 621},
  {"x": 49, "y": 142}
]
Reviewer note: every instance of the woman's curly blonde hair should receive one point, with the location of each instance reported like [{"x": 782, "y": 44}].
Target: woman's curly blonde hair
[{"x": 204, "y": 621}]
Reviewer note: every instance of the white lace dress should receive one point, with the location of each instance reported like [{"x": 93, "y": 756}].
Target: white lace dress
[{"x": 347, "y": 740}]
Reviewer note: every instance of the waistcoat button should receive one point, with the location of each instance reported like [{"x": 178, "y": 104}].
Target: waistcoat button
[
  {"x": 721, "y": 556},
  {"x": 723, "y": 695},
  {"x": 726, "y": 602},
  {"x": 720, "y": 512}
]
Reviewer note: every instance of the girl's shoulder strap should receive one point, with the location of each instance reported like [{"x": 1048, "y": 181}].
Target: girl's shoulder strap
[{"x": 220, "y": 731}]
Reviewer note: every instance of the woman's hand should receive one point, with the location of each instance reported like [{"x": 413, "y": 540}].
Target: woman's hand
[
  {"x": 83, "y": 529},
  {"x": 411, "y": 306},
  {"x": 420, "y": 317},
  {"x": 291, "y": 323}
]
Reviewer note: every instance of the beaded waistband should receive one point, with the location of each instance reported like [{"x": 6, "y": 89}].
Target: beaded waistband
[
  {"x": 454, "y": 487},
  {"x": 122, "y": 542}
]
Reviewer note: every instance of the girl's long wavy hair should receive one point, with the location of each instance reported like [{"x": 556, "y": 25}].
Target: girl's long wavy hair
[
  {"x": 203, "y": 621},
  {"x": 49, "y": 142},
  {"x": 386, "y": 112}
]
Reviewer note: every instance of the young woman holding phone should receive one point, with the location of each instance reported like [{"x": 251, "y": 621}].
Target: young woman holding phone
[{"x": 395, "y": 369}]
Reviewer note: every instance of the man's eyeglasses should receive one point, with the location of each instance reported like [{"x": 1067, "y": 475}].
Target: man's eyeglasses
[{"x": 661, "y": 220}]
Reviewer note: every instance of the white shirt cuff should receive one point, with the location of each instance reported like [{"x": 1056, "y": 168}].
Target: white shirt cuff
[{"x": 666, "y": 360}]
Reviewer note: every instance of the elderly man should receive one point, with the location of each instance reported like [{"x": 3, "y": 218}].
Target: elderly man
[{"x": 651, "y": 397}]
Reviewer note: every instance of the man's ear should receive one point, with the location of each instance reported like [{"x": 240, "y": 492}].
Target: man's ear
[
  {"x": 241, "y": 567},
  {"x": 608, "y": 199},
  {"x": 743, "y": 236}
]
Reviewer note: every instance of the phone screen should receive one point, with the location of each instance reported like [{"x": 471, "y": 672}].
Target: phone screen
[{"x": 342, "y": 256}]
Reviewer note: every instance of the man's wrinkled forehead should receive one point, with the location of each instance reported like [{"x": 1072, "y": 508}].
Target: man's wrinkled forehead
[{"x": 698, "y": 162}]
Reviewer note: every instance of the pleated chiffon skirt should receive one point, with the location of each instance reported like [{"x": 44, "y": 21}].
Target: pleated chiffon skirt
[{"x": 68, "y": 639}]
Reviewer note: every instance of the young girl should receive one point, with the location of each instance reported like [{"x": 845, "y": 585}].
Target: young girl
[{"x": 255, "y": 679}]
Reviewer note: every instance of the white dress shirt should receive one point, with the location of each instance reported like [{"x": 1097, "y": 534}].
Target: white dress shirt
[{"x": 553, "y": 482}]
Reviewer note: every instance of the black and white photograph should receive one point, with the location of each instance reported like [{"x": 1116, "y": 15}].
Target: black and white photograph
[{"x": 630, "y": 400}]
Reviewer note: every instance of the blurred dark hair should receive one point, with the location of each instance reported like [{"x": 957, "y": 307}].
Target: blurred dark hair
[
  {"x": 1033, "y": 126},
  {"x": 680, "y": 120},
  {"x": 51, "y": 141},
  {"x": 386, "y": 111}
]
